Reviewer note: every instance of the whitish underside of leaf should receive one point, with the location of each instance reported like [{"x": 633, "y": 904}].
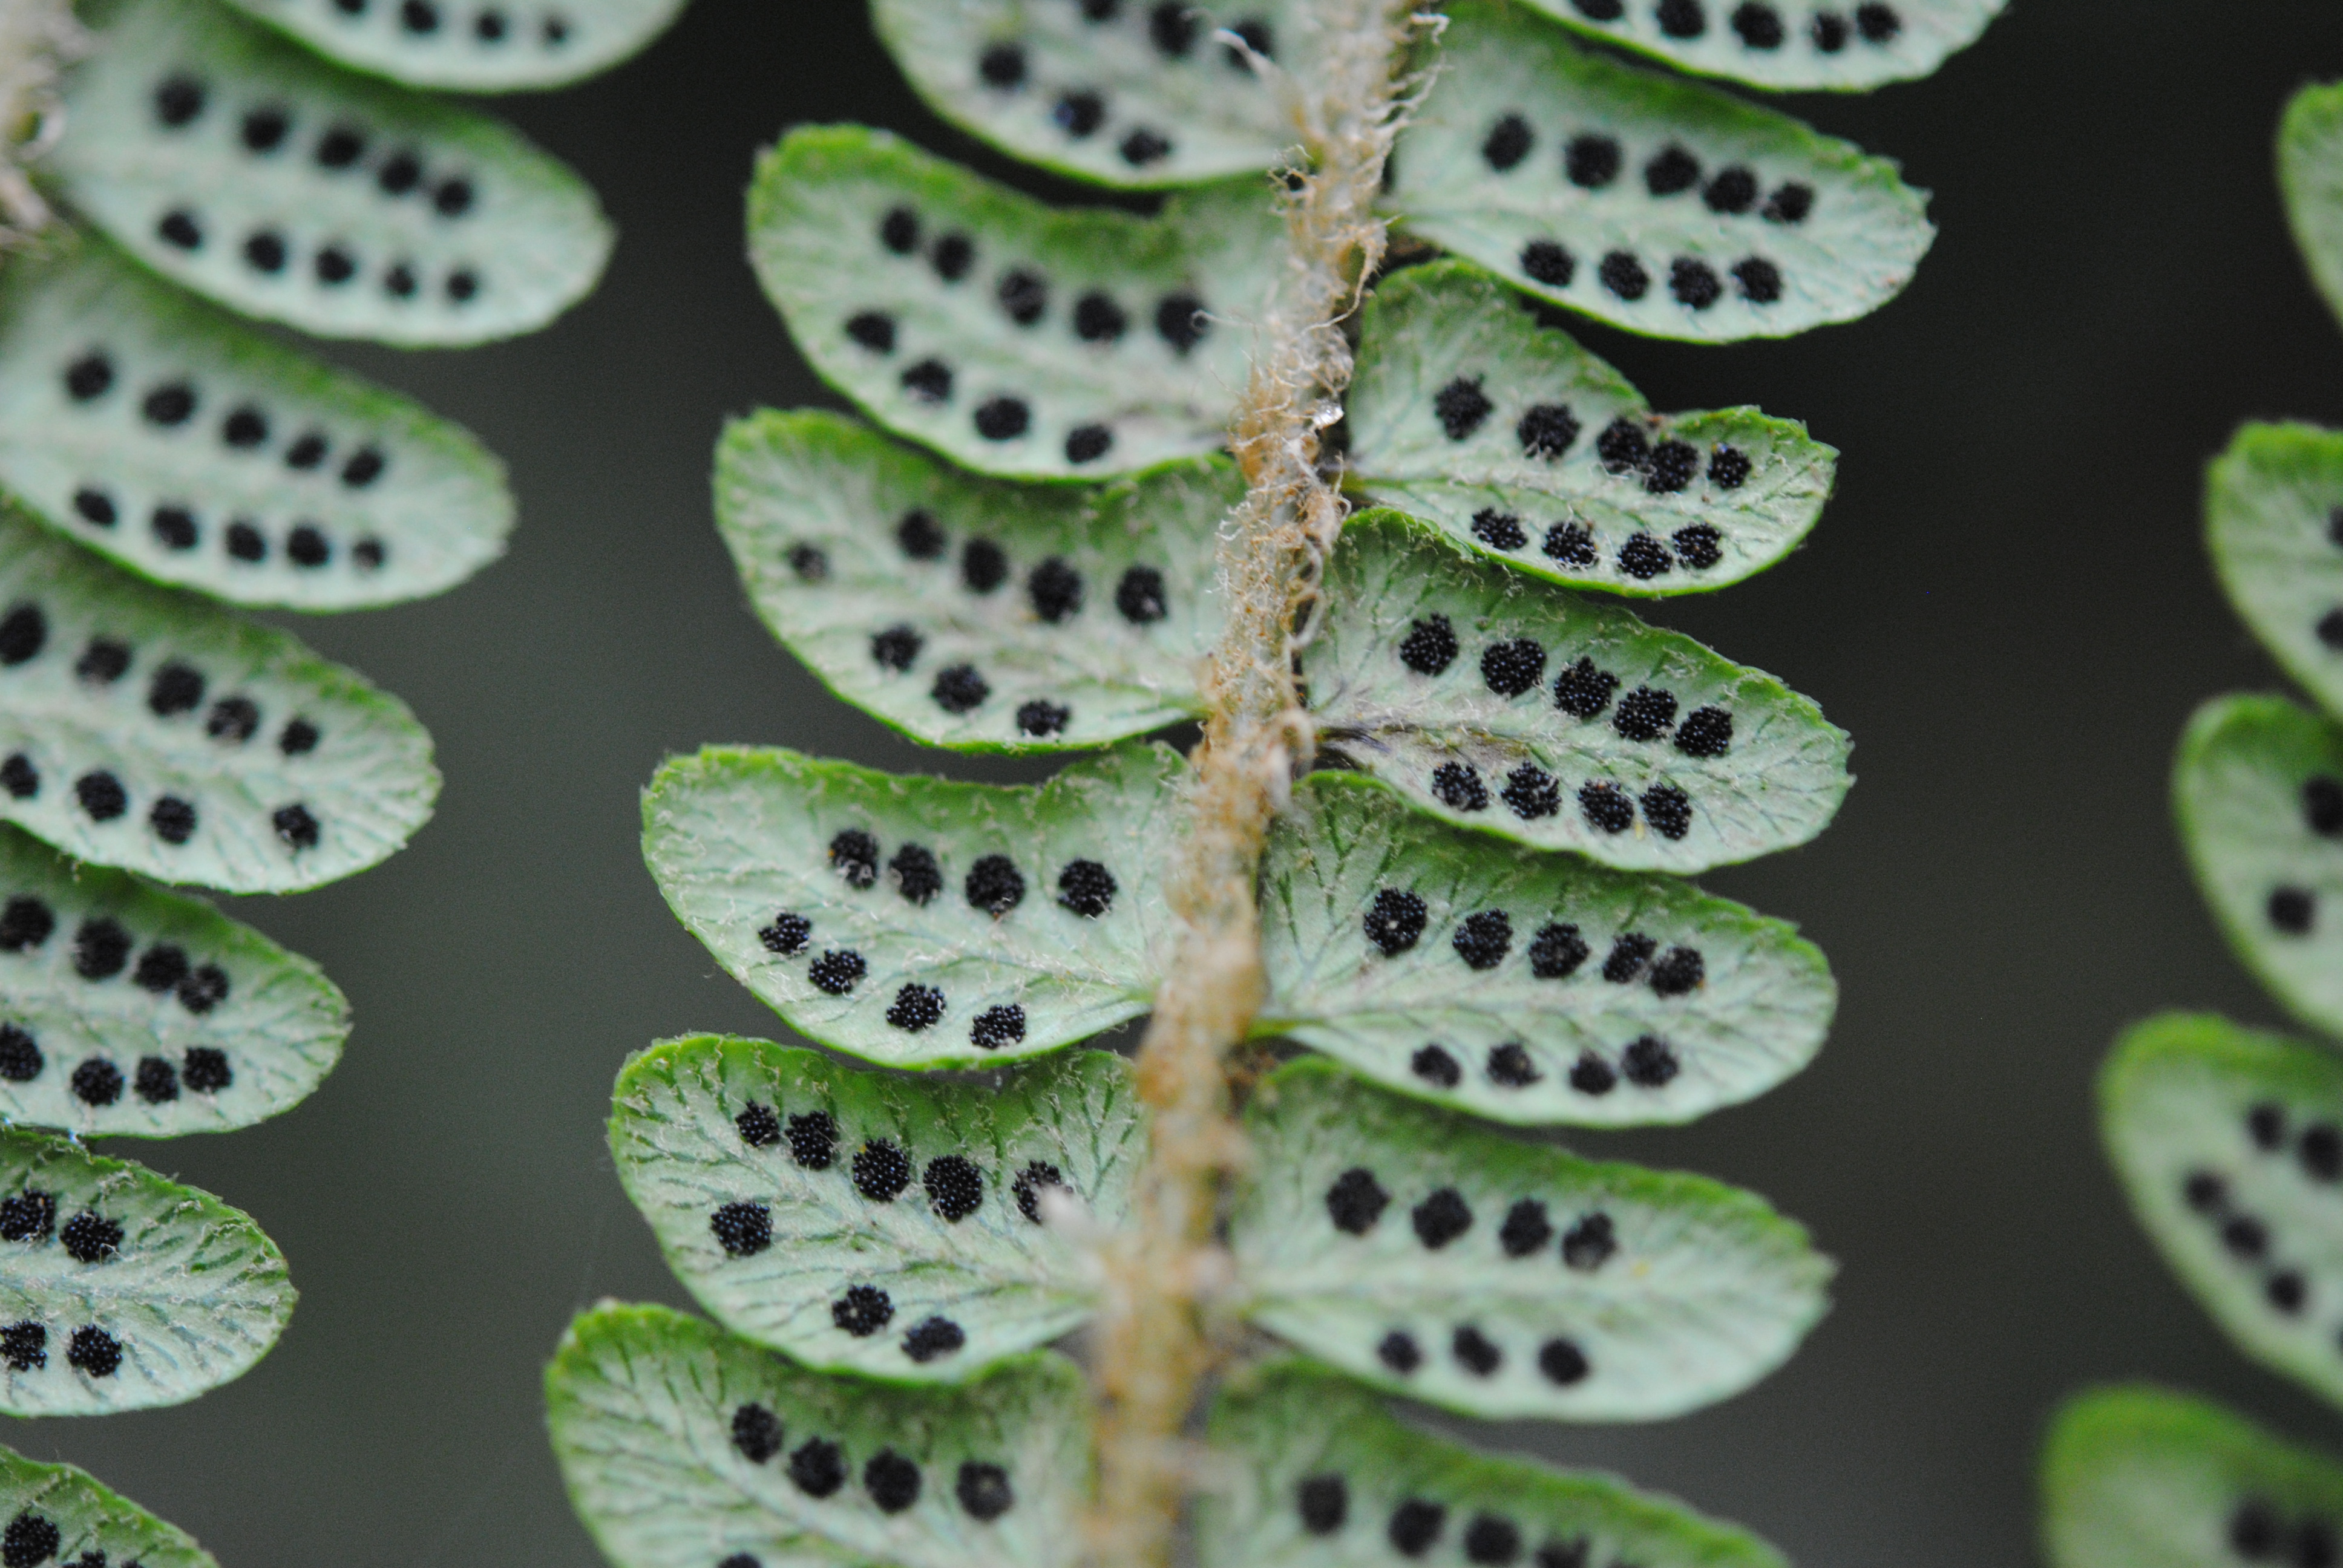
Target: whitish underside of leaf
[
  {"x": 1660, "y": 206},
  {"x": 120, "y": 1290},
  {"x": 968, "y": 612},
  {"x": 2274, "y": 520},
  {"x": 917, "y": 922},
  {"x": 2230, "y": 1144},
  {"x": 1013, "y": 337},
  {"x": 67, "y": 1515},
  {"x": 1526, "y": 712},
  {"x": 871, "y": 1224},
  {"x": 2259, "y": 791},
  {"x": 472, "y": 46},
  {"x": 1426, "y": 1256},
  {"x": 1322, "y": 1475},
  {"x": 1836, "y": 46},
  {"x": 128, "y": 1011},
  {"x": 2311, "y": 177},
  {"x": 237, "y": 163},
  {"x": 198, "y": 452},
  {"x": 1520, "y": 444},
  {"x": 1525, "y": 987},
  {"x": 145, "y": 729},
  {"x": 685, "y": 1448},
  {"x": 2139, "y": 1477},
  {"x": 1122, "y": 92}
]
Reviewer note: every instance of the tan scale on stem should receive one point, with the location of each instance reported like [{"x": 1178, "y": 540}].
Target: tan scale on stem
[
  {"x": 38, "y": 38},
  {"x": 1155, "y": 1341}
]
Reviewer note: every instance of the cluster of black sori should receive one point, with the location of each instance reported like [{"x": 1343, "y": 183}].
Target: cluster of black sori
[
  {"x": 2230, "y": 1139},
  {"x": 915, "y": 289},
  {"x": 203, "y": 748}
]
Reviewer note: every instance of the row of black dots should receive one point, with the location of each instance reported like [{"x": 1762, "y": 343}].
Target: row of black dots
[
  {"x": 171, "y": 403},
  {"x": 1356, "y": 1201},
  {"x": 2258, "y": 1531},
  {"x": 267, "y": 252},
  {"x": 1561, "y": 1359},
  {"x": 1489, "y": 1540},
  {"x": 2244, "y": 1235},
  {"x": 1395, "y": 921},
  {"x": 819, "y": 1468},
  {"x": 1181, "y": 314},
  {"x": 175, "y": 688},
  {"x": 492, "y": 25},
  {"x": 1592, "y": 162},
  {"x": 1760, "y": 27},
  {"x": 30, "y": 1218},
  {"x": 2292, "y": 908},
  {"x": 97, "y": 1083},
  {"x": 1000, "y": 419},
  {"x": 1694, "y": 282},
  {"x": 233, "y": 720},
  {"x": 1648, "y": 1062},
  {"x": 177, "y": 527},
  {"x": 1642, "y": 556},
  {"x": 1531, "y": 793},
  {"x": 880, "y": 1170},
  {"x": 24, "y": 1347},
  {"x": 1548, "y": 431},
  {"x": 180, "y": 100},
  {"x": 101, "y": 950},
  {"x": 1512, "y": 666},
  {"x": 993, "y": 884}
]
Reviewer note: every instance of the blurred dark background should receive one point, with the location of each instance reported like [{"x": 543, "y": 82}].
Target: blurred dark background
[{"x": 2007, "y": 605}]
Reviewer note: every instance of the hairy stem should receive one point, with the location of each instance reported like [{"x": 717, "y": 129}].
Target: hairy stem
[
  {"x": 1154, "y": 1343},
  {"x": 37, "y": 39}
]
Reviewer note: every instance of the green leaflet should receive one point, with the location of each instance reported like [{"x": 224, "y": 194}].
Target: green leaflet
[
  {"x": 1329, "y": 1480},
  {"x": 148, "y": 729},
  {"x": 126, "y": 1010},
  {"x": 1083, "y": 613},
  {"x": 2139, "y": 1477},
  {"x": 1013, "y": 337},
  {"x": 224, "y": 462},
  {"x": 238, "y": 165},
  {"x": 917, "y": 922},
  {"x": 122, "y": 1290},
  {"x": 1836, "y": 47},
  {"x": 2258, "y": 790},
  {"x": 1418, "y": 1252},
  {"x": 1525, "y": 987},
  {"x": 2311, "y": 177},
  {"x": 1566, "y": 723},
  {"x": 492, "y": 47},
  {"x": 66, "y": 1513},
  {"x": 2274, "y": 519},
  {"x": 1522, "y": 445},
  {"x": 682, "y": 1447},
  {"x": 870, "y": 1223},
  {"x": 2230, "y": 1144},
  {"x": 1691, "y": 215},
  {"x": 1126, "y": 94}
]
